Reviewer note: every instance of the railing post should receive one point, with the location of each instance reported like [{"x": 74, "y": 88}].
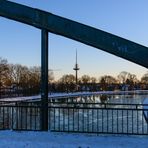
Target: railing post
[{"x": 44, "y": 80}]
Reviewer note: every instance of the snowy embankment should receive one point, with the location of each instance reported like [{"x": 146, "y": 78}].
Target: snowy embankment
[
  {"x": 75, "y": 94},
  {"x": 12, "y": 139}
]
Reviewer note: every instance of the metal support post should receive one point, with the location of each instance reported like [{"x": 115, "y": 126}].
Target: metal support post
[{"x": 44, "y": 80}]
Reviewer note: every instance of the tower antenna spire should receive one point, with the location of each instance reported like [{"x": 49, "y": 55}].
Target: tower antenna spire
[
  {"x": 76, "y": 56},
  {"x": 76, "y": 68}
]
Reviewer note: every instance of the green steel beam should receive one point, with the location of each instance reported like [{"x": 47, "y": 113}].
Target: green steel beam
[
  {"x": 44, "y": 79},
  {"x": 88, "y": 35}
]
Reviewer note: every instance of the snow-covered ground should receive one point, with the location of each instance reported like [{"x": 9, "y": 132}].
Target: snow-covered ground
[{"x": 12, "y": 139}]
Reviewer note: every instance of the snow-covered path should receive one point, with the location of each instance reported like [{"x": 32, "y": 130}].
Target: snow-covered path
[{"x": 12, "y": 139}]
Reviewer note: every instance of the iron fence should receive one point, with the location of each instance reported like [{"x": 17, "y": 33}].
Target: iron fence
[
  {"x": 99, "y": 120},
  {"x": 19, "y": 117},
  {"x": 77, "y": 117}
]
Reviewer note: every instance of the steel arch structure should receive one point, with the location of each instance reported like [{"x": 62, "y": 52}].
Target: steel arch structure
[{"x": 48, "y": 22}]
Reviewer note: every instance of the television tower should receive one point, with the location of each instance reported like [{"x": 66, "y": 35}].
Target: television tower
[{"x": 76, "y": 68}]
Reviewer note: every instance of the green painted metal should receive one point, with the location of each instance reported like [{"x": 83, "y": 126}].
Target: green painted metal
[
  {"x": 88, "y": 35},
  {"x": 44, "y": 79}
]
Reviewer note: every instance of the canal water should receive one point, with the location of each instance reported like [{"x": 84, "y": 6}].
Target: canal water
[
  {"x": 102, "y": 113},
  {"x": 126, "y": 98},
  {"x": 94, "y": 114}
]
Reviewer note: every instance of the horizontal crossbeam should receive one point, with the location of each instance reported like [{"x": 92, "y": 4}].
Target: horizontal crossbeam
[{"x": 88, "y": 35}]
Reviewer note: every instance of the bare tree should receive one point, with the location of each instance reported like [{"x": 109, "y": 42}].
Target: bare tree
[
  {"x": 106, "y": 82},
  {"x": 85, "y": 79},
  {"x": 68, "y": 79},
  {"x": 18, "y": 74},
  {"x": 4, "y": 69},
  {"x": 123, "y": 76},
  {"x": 50, "y": 76},
  {"x": 132, "y": 79},
  {"x": 34, "y": 75},
  {"x": 68, "y": 83},
  {"x": 108, "y": 79},
  {"x": 144, "y": 78},
  {"x": 93, "y": 80}
]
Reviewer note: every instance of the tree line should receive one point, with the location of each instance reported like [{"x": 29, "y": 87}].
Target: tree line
[{"x": 16, "y": 76}]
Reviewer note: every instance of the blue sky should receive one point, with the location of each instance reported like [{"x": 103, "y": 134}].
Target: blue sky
[{"x": 20, "y": 43}]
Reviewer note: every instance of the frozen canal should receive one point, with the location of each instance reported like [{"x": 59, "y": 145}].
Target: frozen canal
[
  {"x": 108, "y": 112},
  {"x": 105, "y": 113}
]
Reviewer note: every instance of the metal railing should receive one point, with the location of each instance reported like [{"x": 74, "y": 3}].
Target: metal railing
[
  {"x": 99, "y": 120},
  {"x": 76, "y": 117},
  {"x": 19, "y": 117}
]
